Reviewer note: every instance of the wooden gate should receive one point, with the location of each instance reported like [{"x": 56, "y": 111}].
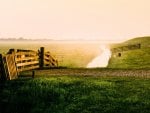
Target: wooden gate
[
  {"x": 16, "y": 61},
  {"x": 11, "y": 70},
  {"x": 49, "y": 60},
  {"x": 26, "y": 60}
]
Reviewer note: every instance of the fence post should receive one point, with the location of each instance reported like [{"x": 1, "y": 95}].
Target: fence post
[
  {"x": 42, "y": 50},
  {"x": 11, "y": 51},
  {"x": 3, "y": 72},
  {"x": 33, "y": 74},
  {"x": 139, "y": 46}
]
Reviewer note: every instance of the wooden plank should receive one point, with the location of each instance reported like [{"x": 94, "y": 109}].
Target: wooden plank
[
  {"x": 50, "y": 57},
  {"x": 51, "y": 63},
  {"x": 28, "y": 68},
  {"x": 24, "y": 50},
  {"x": 27, "y": 53},
  {"x": 11, "y": 67},
  {"x": 48, "y": 60},
  {"x": 47, "y": 53},
  {"x": 27, "y": 58},
  {"x": 27, "y": 63}
]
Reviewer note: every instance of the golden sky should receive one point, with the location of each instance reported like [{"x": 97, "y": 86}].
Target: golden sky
[{"x": 75, "y": 19}]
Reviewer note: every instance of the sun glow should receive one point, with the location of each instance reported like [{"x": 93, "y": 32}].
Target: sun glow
[{"x": 75, "y": 19}]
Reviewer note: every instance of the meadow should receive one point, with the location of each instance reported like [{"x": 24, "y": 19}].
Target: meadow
[
  {"x": 68, "y": 53},
  {"x": 78, "y": 90},
  {"x": 138, "y": 58},
  {"x": 77, "y": 54},
  {"x": 122, "y": 87}
]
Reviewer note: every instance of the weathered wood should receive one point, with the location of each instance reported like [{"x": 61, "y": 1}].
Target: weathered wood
[
  {"x": 28, "y": 63},
  {"x": 23, "y": 60},
  {"x": 33, "y": 74},
  {"x": 24, "y": 50},
  {"x": 126, "y": 48},
  {"x": 27, "y": 59},
  {"x": 20, "y": 69},
  {"x": 11, "y": 67},
  {"x": 49, "y": 60},
  {"x": 42, "y": 51},
  {"x": 19, "y": 60},
  {"x": 27, "y": 53}
]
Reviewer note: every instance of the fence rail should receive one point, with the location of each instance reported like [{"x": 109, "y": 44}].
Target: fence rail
[
  {"x": 126, "y": 48},
  {"x": 49, "y": 60},
  {"x": 117, "y": 52},
  {"x": 26, "y": 60},
  {"x": 19, "y": 60}
]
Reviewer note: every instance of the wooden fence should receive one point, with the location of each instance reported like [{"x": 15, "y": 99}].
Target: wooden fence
[
  {"x": 16, "y": 61},
  {"x": 49, "y": 61},
  {"x": 10, "y": 67},
  {"x": 126, "y": 48},
  {"x": 26, "y": 60},
  {"x": 118, "y": 51}
]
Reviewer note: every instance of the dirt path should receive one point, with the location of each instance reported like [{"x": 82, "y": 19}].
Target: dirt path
[{"x": 90, "y": 72}]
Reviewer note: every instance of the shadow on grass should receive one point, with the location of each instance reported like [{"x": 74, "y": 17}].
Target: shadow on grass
[{"x": 64, "y": 94}]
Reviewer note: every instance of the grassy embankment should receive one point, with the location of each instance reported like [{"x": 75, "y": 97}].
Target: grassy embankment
[{"x": 138, "y": 58}]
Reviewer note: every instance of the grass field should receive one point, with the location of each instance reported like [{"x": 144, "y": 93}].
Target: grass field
[
  {"x": 78, "y": 91},
  {"x": 69, "y": 53},
  {"x": 123, "y": 87},
  {"x": 139, "y": 58},
  {"x": 79, "y": 54}
]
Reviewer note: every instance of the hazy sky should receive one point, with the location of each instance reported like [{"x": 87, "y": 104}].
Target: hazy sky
[{"x": 75, "y": 19}]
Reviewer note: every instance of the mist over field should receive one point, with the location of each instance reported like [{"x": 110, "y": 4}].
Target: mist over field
[
  {"x": 92, "y": 54},
  {"x": 68, "y": 53}
]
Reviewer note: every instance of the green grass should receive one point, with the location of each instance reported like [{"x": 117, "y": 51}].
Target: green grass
[
  {"x": 76, "y": 94},
  {"x": 133, "y": 58},
  {"x": 83, "y": 90}
]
